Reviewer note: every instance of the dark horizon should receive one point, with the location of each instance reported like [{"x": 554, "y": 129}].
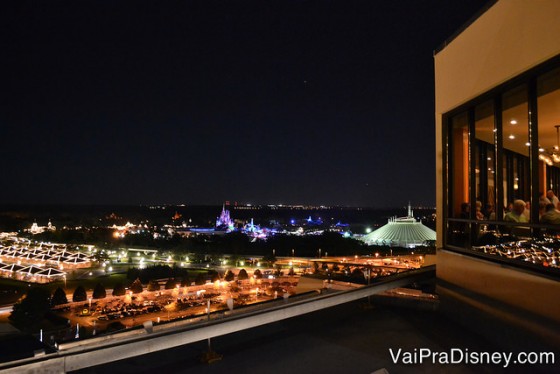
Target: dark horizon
[
  {"x": 198, "y": 102},
  {"x": 230, "y": 206}
]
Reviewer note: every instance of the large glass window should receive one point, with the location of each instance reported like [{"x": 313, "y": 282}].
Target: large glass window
[
  {"x": 548, "y": 104},
  {"x": 503, "y": 164},
  {"x": 515, "y": 139},
  {"x": 485, "y": 161},
  {"x": 459, "y": 180},
  {"x": 459, "y": 166}
]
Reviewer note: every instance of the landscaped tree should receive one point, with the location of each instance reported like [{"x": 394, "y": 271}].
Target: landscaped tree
[
  {"x": 357, "y": 274},
  {"x": 153, "y": 286},
  {"x": 119, "y": 290},
  {"x": 214, "y": 275},
  {"x": 199, "y": 280},
  {"x": 99, "y": 291},
  {"x": 229, "y": 276},
  {"x": 185, "y": 282},
  {"x": 170, "y": 284},
  {"x": 59, "y": 297},
  {"x": 28, "y": 312},
  {"x": 242, "y": 275},
  {"x": 79, "y": 294},
  {"x": 315, "y": 267},
  {"x": 136, "y": 286},
  {"x": 258, "y": 274}
]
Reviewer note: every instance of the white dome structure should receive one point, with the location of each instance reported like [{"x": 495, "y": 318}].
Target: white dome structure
[{"x": 401, "y": 232}]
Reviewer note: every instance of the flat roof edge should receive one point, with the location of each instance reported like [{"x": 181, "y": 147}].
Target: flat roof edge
[{"x": 470, "y": 21}]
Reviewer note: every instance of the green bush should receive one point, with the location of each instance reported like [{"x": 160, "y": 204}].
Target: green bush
[
  {"x": 59, "y": 297},
  {"x": 199, "y": 280},
  {"x": 136, "y": 286},
  {"x": 29, "y": 311},
  {"x": 242, "y": 275},
  {"x": 229, "y": 276},
  {"x": 79, "y": 294},
  {"x": 119, "y": 290},
  {"x": 153, "y": 286},
  {"x": 99, "y": 291},
  {"x": 170, "y": 284}
]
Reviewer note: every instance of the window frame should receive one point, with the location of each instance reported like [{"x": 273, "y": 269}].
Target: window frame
[{"x": 528, "y": 78}]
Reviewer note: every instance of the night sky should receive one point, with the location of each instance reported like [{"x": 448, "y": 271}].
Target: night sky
[{"x": 198, "y": 102}]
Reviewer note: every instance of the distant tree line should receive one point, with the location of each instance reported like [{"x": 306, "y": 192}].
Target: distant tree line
[
  {"x": 29, "y": 312},
  {"x": 156, "y": 272},
  {"x": 233, "y": 243}
]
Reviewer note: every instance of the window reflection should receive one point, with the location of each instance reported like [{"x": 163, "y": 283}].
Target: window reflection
[
  {"x": 485, "y": 161},
  {"x": 515, "y": 138},
  {"x": 459, "y": 166},
  {"x": 548, "y": 104},
  {"x": 502, "y": 156}
]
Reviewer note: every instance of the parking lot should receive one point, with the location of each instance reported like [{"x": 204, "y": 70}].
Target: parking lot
[{"x": 119, "y": 312}]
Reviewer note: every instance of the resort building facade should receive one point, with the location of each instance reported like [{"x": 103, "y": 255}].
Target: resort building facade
[{"x": 498, "y": 165}]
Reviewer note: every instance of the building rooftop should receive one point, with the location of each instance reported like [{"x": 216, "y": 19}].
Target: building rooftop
[{"x": 343, "y": 339}]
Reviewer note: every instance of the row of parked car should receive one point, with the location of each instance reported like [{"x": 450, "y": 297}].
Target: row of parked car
[{"x": 123, "y": 310}]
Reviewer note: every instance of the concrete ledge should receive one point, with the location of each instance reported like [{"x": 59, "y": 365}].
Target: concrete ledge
[
  {"x": 80, "y": 356},
  {"x": 500, "y": 323}
]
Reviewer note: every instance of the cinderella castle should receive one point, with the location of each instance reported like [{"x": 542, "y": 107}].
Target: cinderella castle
[{"x": 224, "y": 221}]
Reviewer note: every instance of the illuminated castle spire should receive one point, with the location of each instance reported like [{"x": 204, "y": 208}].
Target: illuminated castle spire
[{"x": 224, "y": 220}]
